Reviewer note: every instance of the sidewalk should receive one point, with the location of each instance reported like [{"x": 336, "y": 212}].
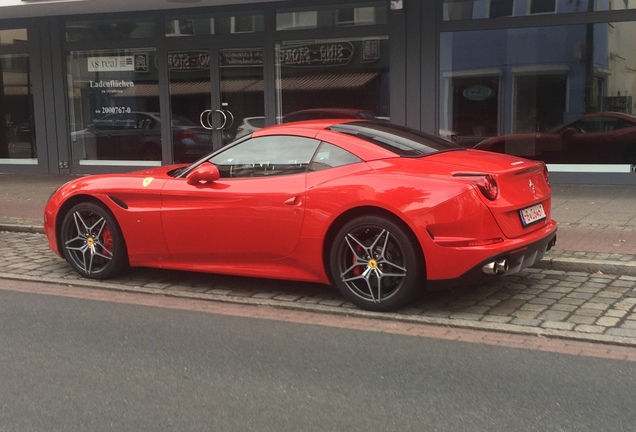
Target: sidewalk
[
  {"x": 584, "y": 289},
  {"x": 597, "y": 224}
]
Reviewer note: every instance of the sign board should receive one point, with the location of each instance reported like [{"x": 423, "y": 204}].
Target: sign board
[
  {"x": 131, "y": 63},
  {"x": 324, "y": 54}
]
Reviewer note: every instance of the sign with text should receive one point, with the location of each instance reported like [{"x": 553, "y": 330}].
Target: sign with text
[
  {"x": 323, "y": 54},
  {"x": 131, "y": 63},
  {"x": 241, "y": 57},
  {"x": 188, "y": 61},
  {"x": 111, "y": 64}
]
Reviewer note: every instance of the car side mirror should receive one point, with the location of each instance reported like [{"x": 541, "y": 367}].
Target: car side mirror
[{"x": 204, "y": 173}]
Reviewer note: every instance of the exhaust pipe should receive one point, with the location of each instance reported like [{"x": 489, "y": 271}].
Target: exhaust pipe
[{"x": 496, "y": 267}]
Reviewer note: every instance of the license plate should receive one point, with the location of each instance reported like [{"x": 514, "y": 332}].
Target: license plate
[{"x": 532, "y": 214}]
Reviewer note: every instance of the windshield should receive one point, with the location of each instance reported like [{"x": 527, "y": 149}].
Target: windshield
[{"x": 401, "y": 140}]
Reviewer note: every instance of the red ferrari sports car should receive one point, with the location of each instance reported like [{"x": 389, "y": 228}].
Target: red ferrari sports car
[
  {"x": 378, "y": 210},
  {"x": 596, "y": 138}
]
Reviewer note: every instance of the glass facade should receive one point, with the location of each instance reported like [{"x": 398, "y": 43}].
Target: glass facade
[
  {"x": 565, "y": 103},
  {"x": 551, "y": 80},
  {"x": 114, "y": 109},
  {"x": 17, "y": 36},
  {"x": 219, "y": 24},
  {"x": 95, "y": 30},
  {"x": 364, "y": 14},
  {"x": 484, "y": 9},
  {"x": 325, "y": 74},
  {"x": 17, "y": 127}
]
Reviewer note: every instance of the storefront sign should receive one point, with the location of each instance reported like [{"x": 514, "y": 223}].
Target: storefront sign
[
  {"x": 189, "y": 61},
  {"x": 370, "y": 50},
  {"x": 111, "y": 64},
  {"x": 132, "y": 63},
  {"x": 477, "y": 93},
  {"x": 241, "y": 57},
  {"x": 327, "y": 54}
]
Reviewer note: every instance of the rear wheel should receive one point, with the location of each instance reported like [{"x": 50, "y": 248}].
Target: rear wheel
[
  {"x": 376, "y": 264},
  {"x": 92, "y": 242}
]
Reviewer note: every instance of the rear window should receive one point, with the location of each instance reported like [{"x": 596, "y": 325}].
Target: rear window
[{"x": 401, "y": 140}]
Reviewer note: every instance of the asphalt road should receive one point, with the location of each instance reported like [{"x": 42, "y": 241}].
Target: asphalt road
[{"x": 77, "y": 364}]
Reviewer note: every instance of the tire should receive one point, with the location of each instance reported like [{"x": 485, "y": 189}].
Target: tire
[
  {"x": 376, "y": 264},
  {"x": 92, "y": 242}
]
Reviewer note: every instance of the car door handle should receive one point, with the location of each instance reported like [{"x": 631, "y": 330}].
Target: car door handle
[{"x": 292, "y": 201}]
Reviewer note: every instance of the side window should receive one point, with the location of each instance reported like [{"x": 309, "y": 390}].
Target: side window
[
  {"x": 330, "y": 156},
  {"x": 145, "y": 122},
  {"x": 613, "y": 124},
  {"x": 266, "y": 156},
  {"x": 597, "y": 125},
  {"x": 583, "y": 126},
  {"x": 622, "y": 124}
]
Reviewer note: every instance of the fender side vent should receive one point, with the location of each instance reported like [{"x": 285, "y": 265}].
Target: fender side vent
[{"x": 119, "y": 202}]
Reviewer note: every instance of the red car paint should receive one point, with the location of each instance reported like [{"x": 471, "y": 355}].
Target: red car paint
[{"x": 282, "y": 226}]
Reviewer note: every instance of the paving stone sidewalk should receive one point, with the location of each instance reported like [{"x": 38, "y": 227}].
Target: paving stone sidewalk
[
  {"x": 585, "y": 288},
  {"x": 574, "y": 305}
]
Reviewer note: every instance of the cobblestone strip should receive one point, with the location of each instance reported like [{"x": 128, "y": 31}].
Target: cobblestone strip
[{"x": 576, "y": 305}]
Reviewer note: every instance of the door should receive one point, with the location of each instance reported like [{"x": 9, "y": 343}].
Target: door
[
  {"x": 212, "y": 93},
  {"x": 255, "y": 211}
]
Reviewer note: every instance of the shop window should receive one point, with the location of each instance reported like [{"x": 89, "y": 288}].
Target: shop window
[
  {"x": 481, "y": 9},
  {"x": 567, "y": 103},
  {"x": 241, "y": 110},
  {"x": 113, "y": 108},
  {"x": 333, "y": 78},
  {"x": 458, "y": 10},
  {"x": 296, "y": 20},
  {"x": 13, "y": 36},
  {"x": 371, "y": 13},
  {"x": 500, "y": 8},
  {"x": 108, "y": 30},
  {"x": 474, "y": 107},
  {"x": 542, "y": 6},
  {"x": 540, "y": 101},
  {"x": 355, "y": 16},
  {"x": 191, "y": 25},
  {"x": 17, "y": 128},
  {"x": 243, "y": 24}
]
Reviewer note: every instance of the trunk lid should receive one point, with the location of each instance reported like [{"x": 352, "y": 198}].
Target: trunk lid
[{"x": 524, "y": 200}]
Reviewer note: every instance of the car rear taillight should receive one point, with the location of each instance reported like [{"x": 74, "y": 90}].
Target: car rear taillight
[
  {"x": 546, "y": 174},
  {"x": 488, "y": 186},
  {"x": 184, "y": 134},
  {"x": 485, "y": 182}
]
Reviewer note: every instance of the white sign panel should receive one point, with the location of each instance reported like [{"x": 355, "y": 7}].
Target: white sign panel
[{"x": 111, "y": 64}]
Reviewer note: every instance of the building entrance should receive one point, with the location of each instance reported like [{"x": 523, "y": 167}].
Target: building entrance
[{"x": 221, "y": 91}]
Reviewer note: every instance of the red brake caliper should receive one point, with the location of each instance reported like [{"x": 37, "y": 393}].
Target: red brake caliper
[
  {"x": 107, "y": 241},
  {"x": 357, "y": 271}
]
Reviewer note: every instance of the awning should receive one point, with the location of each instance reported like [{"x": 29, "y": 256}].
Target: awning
[{"x": 305, "y": 82}]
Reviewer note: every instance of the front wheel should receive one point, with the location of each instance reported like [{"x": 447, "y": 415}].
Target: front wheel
[
  {"x": 376, "y": 264},
  {"x": 92, "y": 242}
]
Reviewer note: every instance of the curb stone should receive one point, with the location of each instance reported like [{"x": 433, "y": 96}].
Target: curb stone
[{"x": 344, "y": 311}]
